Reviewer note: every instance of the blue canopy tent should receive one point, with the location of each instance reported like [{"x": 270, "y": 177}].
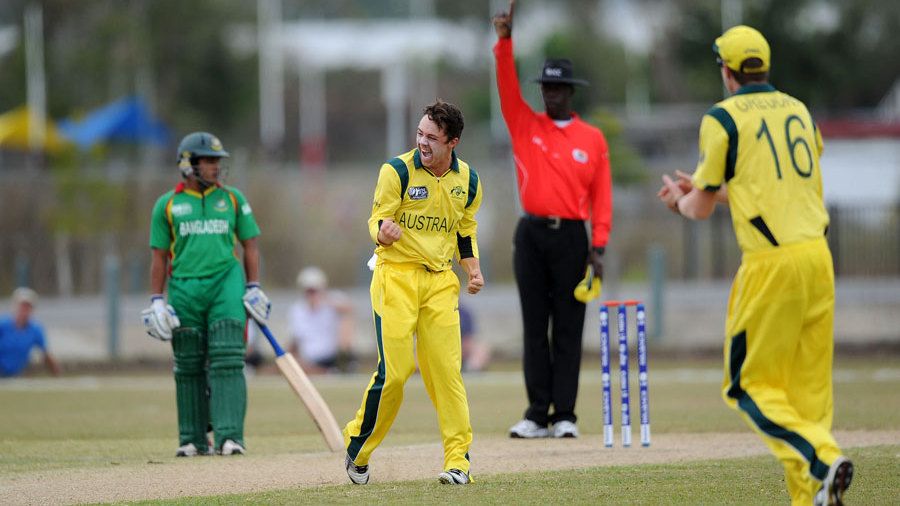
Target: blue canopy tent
[{"x": 125, "y": 120}]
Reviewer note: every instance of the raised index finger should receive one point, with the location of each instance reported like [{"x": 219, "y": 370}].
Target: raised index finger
[{"x": 512, "y": 4}]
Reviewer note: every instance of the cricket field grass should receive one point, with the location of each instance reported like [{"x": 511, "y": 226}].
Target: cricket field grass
[{"x": 111, "y": 439}]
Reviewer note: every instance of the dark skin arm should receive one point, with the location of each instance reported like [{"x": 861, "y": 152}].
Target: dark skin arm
[
  {"x": 596, "y": 260},
  {"x": 251, "y": 259},
  {"x": 159, "y": 263},
  {"x": 503, "y": 22}
]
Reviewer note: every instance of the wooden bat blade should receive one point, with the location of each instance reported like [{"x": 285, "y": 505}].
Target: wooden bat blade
[{"x": 315, "y": 404}]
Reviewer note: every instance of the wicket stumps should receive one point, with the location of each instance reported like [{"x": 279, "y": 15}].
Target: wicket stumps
[{"x": 644, "y": 400}]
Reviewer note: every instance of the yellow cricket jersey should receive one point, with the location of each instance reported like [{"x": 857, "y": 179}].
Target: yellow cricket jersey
[
  {"x": 436, "y": 214},
  {"x": 766, "y": 147}
]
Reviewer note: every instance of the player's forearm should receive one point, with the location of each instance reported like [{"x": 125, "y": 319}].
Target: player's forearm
[
  {"x": 158, "y": 265},
  {"x": 696, "y": 205},
  {"x": 470, "y": 264},
  {"x": 251, "y": 260},
  {"x": 722, "y": 195}
]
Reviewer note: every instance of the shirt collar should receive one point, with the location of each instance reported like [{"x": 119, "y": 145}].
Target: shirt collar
[
  {"x": 755, "y": 88},
  {"x": 575, "y": 117},
  {"x": 454, "y": 162},
  {"x": 182, "y": 188}
]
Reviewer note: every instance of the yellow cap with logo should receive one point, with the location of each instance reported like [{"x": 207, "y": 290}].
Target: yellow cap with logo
[{"x": 740, "y": 43}]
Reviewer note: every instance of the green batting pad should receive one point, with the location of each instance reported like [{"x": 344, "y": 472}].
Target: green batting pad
[
  {"x": 228, "y": 388},
  {"x": 191, "y": 390}
]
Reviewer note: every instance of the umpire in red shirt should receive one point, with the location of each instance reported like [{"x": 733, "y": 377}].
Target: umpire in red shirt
[{"x": 562, "y": 170}]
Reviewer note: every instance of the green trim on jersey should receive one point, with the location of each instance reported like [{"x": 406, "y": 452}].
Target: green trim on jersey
[
  {"x": 473, "y": 186},
  {"x": 432, "y": 212},
  {"x": 200, "y": 231},
  {"x": 402, "y": 173},
  {"x": 755, "y": 88},
  {"x": 766, "y": 147},
  {"x": 722, "y": 116}
]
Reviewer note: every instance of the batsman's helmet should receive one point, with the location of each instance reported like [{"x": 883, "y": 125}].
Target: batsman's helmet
[{"x": 195, "y": 145}]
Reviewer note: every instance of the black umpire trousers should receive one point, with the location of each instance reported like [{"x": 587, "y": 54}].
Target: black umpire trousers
[{"x": 549, "y": 259}]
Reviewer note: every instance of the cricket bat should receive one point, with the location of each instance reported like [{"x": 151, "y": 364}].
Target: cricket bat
[{"x": 307, "y": 393}]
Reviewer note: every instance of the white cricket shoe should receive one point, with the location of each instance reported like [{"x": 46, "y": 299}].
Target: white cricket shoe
[
  {"x": 189, "y": 450},
  {"x": 840, "y": 474},
  {"x": 565, "y": 428},
  {"x": 528, "y": 429},
  {"x": 359, "y": 475},
  {"x": 454, "y": 477},
  {"x": 230, "y": 447}
]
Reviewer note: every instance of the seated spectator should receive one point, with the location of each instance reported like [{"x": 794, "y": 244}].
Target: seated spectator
[
  {"x": 19, "y": 334},
  {"x": 321, "y": 325}
]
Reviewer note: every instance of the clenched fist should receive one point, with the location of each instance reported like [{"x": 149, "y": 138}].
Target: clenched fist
[
  {"x": 389, "y": 233},
  {"x": 476, "y": 281}
]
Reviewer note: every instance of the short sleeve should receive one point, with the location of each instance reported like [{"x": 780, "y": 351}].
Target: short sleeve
[
  {"x": 246, "y": 227},
  {"x": 711, "y": 165},
  {"x": 160, "y": 226}
]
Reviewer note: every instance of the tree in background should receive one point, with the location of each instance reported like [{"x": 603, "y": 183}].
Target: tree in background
[
  {"x": 173, "y": 53},
  {"x": 835, "y": 56}
]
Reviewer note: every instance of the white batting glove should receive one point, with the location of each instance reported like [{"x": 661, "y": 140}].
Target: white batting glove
[
  {"x": 160, "y": 319},
  {"x": 257, "y": 304}
]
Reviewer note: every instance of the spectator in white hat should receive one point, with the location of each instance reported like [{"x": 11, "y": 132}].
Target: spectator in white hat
[
  {"x": 19, "y": 334},
  {"x": 321, "y": 325}
]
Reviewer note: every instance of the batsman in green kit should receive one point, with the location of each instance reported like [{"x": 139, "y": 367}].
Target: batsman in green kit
[
  {"x": 763, "y": 146},
  {"x": 194, "y": 232},
  {"x": 422, "y": 218}
]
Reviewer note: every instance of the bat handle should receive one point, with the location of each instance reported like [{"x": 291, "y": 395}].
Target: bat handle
[{"x": 275, "y": 346}]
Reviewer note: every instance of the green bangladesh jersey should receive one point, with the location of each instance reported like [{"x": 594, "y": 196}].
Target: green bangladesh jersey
[{"x": 200, "y": 231}]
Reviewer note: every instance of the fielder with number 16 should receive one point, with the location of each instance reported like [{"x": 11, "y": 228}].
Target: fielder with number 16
[
  {"x": 764, "y": 145},
  {"x": 194, "y": 232}
]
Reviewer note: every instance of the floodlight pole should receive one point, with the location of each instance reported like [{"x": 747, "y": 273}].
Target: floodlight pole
[
  {"x": 36, "y": 79},
  {"x": 271, "y": 76}
]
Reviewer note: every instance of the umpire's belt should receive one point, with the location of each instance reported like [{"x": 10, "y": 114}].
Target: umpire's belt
[{"x": 554, "y": 222}]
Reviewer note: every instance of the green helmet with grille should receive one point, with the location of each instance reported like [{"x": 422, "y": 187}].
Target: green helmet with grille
[{"x": 196, "y": 145}]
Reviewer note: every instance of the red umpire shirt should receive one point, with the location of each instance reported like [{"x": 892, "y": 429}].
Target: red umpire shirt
[{"x": 561, "y": 171}]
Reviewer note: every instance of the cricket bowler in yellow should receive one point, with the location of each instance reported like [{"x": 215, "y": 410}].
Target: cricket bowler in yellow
[
  {"x": 422, "y": 218},
  {"x": 763, "y": 146}
]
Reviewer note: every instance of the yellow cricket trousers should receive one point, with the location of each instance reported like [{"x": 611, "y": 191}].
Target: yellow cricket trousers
[
  {"x": 408, "y": 300},
  {"x": 778, "y": 358}
]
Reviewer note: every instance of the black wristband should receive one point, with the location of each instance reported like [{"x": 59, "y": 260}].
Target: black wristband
[{"x": 599, "y": 250}]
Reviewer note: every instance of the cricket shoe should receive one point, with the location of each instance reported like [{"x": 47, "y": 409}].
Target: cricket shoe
[
  {"x": 189, "y": 450},
  {"x": 358, "y": 474},
  {"x": 454, "y": 477},
  {"x": 230, "y": 447},
  {"x": 528, "y": 429},
  {"x": 840, "y": 474},
  {"x": 565, "y": 428}
]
